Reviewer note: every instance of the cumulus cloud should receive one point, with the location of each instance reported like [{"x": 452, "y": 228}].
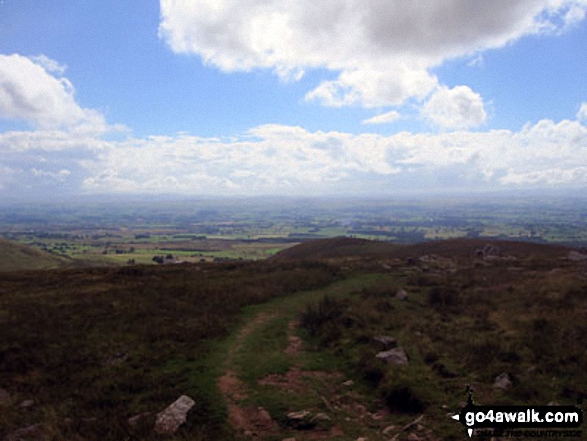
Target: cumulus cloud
[
  {"x": 582, "y": 114},
  {"x": 49, "y": 64},
  {"x": 30, "y": 91},
  {"x": 281, "y": 159},
  {"x": 384, "y": 118},
  {"x": 290, "y": 160},
  {"x": 382, "y": 51},
  {"x": 456, "y": 108}
]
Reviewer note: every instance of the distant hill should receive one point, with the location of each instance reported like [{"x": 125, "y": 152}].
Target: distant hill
[
  {"x": 17, "y": 257},
  {"x": 346, "y": 247}
]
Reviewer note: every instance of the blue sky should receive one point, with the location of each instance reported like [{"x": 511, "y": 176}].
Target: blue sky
[{"x": 220, "y": 97}]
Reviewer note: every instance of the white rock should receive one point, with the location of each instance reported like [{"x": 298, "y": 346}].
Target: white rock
[
  {"x": 174, "y": 416},
  {"x": 393, "y": 356}
]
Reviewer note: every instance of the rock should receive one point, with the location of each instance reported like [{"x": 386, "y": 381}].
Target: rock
[
  {"x": 321, "y": 421},
  {"x": 502, "y": 381},
  {"x": 298, "y": 415},
  {"x": 362, "y": 439},
  {"x": 393, "y": 356},
  {"x": 134, "y": 420},
  {"x": 169, "y": 420},
  {"x": 389, "y": 429},
  {"x": 387, "y": 342},
  {"x": 401, "y": 294},
  {"x": 4, "y": 398},
  {"x": 288, "y": 439},
  {"x": 26, "y": 403},
  {"x": 348, "y": 383},
  {"x": 301, "y": 420}
]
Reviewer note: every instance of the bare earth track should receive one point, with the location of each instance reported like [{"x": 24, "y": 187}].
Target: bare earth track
[{"x": 340, "y": 411}]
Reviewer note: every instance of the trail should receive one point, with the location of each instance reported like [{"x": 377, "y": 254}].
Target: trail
[{"x": 270, "y": 372}]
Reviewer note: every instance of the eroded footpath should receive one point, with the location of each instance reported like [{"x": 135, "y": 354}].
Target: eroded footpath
[{"x": 276, "y": 386}]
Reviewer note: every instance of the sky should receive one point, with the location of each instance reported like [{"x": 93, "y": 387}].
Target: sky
[{"x": 291, "y": 97}]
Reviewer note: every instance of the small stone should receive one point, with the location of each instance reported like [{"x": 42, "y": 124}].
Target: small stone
[
  {"x": 300, "y": 420},
  {"x": 321, "y": 421},
  {"x": 300, "y": 415},
  {"x": 362, "y": 439},
  {"x": 169, "y": 420},
  {"x": 393, "y": 356},
  {"x": 26, "y": 403},
  {"x": 348, "y": 383},
  {"x": 502, "y": 381},
  {"x": 401, "y": 295},
  {"x": 134, "y": 420},
  {"x": 288, "y": 439}
]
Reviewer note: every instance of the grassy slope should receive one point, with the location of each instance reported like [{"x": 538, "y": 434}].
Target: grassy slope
[
  {"x": 96, "y": 346},
  {"x": 164, "y": 324},
  {"x": 16, "y": 257}
]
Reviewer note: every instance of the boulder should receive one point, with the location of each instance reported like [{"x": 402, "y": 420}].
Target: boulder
[
  {"x": 393, "y": 356},
  {"x": 169, "y": 420}
]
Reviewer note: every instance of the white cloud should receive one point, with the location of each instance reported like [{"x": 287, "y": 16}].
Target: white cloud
[
  {"x": 29, "y": 92},
  {"x": 58, "y": 176},
  {"x": 291, "y": 160},
  {"x": 582, "y": 114},
  {"x": 384, "y": 118},
  {"x": 456, "y": 108},
  {"x": 382, "y": 50},
  {"x": 49, "y": 64}
]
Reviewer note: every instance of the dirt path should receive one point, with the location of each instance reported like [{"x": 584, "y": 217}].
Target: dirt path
[
  {"x": 245, "y": 419},
  {"x": 291, "y": 393}
]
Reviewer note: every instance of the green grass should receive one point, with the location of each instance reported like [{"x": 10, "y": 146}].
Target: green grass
[{"x": 18, "y": 257}]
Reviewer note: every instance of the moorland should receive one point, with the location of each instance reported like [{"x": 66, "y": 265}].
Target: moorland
[{"x": 286, "y": 341}]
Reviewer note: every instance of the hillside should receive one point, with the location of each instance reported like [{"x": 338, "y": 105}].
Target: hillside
[
  {"x": 349, "y": 248},
  {"x": 253, "y": 343},
  {"x": 17, "y": 257}
]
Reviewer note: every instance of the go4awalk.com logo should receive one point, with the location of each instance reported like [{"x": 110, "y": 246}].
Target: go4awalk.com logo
[{"x": 516, "y": 421}]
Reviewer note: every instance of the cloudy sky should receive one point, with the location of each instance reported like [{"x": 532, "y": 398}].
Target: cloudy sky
[{"x": 291, "y": 97}]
